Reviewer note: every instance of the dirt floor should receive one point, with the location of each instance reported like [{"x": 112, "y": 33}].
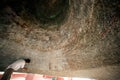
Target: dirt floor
[{"x": 80, "y": 39}]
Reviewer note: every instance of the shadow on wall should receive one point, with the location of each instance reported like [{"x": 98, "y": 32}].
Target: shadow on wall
[{"x": 46, "y": 12}]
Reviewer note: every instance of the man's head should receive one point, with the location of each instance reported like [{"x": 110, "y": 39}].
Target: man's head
[{"x": 27, "y": 60}]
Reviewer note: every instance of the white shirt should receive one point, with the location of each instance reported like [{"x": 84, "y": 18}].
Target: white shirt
[{"x": 17, "y": 64}]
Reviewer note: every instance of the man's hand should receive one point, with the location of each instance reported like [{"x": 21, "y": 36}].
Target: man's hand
[{"x": 24, "y": 69}]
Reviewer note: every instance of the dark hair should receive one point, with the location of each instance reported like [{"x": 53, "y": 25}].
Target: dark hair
[{"x": 27, "y": 60}]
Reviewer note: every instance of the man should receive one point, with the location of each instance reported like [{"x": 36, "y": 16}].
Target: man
[{"x": 14, "y": 67}]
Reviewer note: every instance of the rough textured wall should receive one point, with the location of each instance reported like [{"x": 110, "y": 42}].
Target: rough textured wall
[{"x": 65, "y": 36}]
